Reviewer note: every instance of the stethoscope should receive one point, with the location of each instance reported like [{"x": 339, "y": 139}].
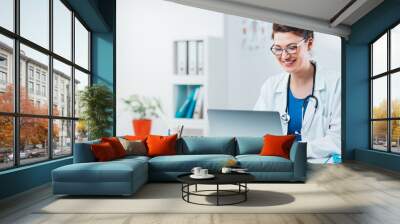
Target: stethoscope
[{"x": 286, "y": 117}]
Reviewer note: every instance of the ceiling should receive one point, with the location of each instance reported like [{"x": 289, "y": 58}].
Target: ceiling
[
  {"x": 327, "y": 16},
  {"x": 320, "y": 9},
  {"x": 98, "y": 15}
]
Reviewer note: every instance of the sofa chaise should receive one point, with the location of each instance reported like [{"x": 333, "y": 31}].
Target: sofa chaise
[{"x": 125, "y": 176}]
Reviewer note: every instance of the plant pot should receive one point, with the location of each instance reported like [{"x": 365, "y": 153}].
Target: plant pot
[{"x": 141, "y": 127}]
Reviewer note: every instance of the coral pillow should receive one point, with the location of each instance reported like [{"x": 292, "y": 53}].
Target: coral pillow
[
  {"x": 161, "y": 145},
  {"x": 103, "y": 152},
  {"x": 277, "y": 145},
  {"x": 116, "y": 145}
]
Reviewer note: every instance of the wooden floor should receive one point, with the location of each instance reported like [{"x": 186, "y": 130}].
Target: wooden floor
[{"x": 377, "y": 188}]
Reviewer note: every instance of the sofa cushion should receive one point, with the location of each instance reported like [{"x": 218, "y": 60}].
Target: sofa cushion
[
  {"x": 161, "y": 145},
  {"x": 83, "y": 152},
  {"x": 185, "y": 163},
  {"x": 277, "y": 145},
  {"x": 111, "y": 171},
  {"x": 206, "y": 145},
  {"x": 116, "y": 145},
  {"x": 136, "y": 147},
  {"x": 132, "y": 158},
  {"x": 103, "y": 152},
  {"x": 257, "y": 163},
  {"x": 249, "y": 145}
]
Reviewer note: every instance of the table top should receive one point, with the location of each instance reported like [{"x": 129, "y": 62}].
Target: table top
[{"x": 220, "y": 178}]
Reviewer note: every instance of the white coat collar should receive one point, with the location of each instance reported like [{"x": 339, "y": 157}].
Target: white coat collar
[{"x": 319, "y": 81}]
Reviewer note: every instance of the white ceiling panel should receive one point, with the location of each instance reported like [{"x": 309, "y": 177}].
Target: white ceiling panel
[
  {"x": 326, "y": 16},
  {"x": 321, "y": 9}
]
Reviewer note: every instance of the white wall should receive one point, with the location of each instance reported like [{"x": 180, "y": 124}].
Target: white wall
[
  {"x": 145, "y": 31},
  {"x": 249, "y": 68}
]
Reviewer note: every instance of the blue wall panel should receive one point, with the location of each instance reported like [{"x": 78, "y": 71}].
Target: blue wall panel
[
  {"x": 99, "y": 15},
  {"x": 357, "y": 98},
  {"x": 102, "y": 59},
  {"x": 24, "y": 178},
  {"x": 103, "y": 63},
  {"x": 357, "y": 84}
]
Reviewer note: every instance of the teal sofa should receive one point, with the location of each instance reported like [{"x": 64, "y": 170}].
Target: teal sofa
[{"x": 125, "y": 176}]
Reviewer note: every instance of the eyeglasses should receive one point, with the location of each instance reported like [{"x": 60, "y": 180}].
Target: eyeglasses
[{"x": 290, "y": 49}]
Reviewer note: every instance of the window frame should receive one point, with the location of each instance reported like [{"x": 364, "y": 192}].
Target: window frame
[
  {"x": 388, "y": 74},
  {"x": 16, "y": 115}
]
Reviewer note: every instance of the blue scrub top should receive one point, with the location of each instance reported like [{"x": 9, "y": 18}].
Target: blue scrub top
[{"x": 296, "y": 115}]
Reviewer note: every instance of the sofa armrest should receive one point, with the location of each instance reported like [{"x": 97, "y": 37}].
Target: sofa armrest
[
  {"x": 298, "y": 155},
  {"x": 83, "y": 152}
]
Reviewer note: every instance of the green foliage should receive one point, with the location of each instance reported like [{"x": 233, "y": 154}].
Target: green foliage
[
  {"x": 143, "y": 107},
  {"x": 97, "y": 104}
]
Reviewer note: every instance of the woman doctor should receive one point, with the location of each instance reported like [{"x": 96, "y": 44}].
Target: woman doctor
[{"x": 307, "y": 98}]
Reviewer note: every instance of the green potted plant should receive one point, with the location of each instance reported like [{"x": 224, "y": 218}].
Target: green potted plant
[
  {"x": 96, "y": 104},
  {"x": 143, "y": 109}
]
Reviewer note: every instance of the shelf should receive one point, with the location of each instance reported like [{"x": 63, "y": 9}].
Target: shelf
[
  {"x": 188, "y": 79},
  {"x": 190, "y": 123}
]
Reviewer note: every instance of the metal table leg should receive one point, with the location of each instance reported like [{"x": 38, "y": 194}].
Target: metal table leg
[
  {"x": 245, "y": 194},
  {"x": 217, "y": 194}
]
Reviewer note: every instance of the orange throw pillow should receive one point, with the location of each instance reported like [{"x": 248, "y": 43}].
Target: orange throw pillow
[
  {"x": 275, "y": 145},
  {"x": 116, "y": 145},
  {"x": 103, "y": 152},
  {"x": 161, "y": 145}
]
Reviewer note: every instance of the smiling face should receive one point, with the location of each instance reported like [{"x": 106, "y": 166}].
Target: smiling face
[{"x": 294, "y": 62}]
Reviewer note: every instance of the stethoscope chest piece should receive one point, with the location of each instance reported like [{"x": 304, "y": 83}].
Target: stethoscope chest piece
[{"x": 285, "y": 117}]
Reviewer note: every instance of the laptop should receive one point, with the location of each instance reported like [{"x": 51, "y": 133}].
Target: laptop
[{"x": 243, "y": 123}]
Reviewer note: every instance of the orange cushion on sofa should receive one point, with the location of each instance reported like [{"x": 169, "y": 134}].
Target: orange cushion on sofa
[
  {"x": 161, "y": 145},
  {"x": 116, "y": 145},
  {"x": 275, "y": 145},
  {"x": 103, "y": 152}
]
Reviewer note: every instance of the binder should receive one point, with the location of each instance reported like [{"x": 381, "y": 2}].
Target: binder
[
  {"x": 183, "y": 109},
  {"x": 192, "y": 104},
  {"x": 181, "y": 56},
  {"x": 200, "y": 57},
  {"x": 199, "y": 104},
  {"x": 192, "y": 57}
]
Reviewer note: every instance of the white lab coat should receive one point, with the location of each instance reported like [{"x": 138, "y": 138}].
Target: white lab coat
[{"x": 323, "y": 135}]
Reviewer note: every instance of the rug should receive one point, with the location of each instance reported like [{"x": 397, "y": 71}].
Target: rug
[{"x": 166, "y": 198}]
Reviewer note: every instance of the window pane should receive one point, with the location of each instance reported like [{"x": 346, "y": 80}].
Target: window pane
[
  {"x": 34, "y": 97},
  {"x": 33, "y": 139},
  {"x": 6, "y": 74},
  {"x": 379, "y": 97},
  {"x": 81, "y": 81},
  {"x": 379, "y": 55},
  {"x": 395, "y": 94},
  {"x": 62, "y": 136},
  {"x": 395, "y": 129},
  {"x": 62, "y": 29},
  {"x": 7, "y": 14},
  {"x": 379, "y": 135},
  {"x": 62, "y": 89},
  {"x": 6, "y": 142},
  {"x": 81, "y": 131},
  {"x": 395, "y": 47},
  {"x": 35, "y": 21},
  {"x": 81, "y": 45}
]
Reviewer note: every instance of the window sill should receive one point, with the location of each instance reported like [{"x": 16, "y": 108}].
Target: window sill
[{"x": 25, "y": 167}]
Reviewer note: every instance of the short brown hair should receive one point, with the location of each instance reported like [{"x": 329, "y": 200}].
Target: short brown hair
[{"x": 277, "y": 28}]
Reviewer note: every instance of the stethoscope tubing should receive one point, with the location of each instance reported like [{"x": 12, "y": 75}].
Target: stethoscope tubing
[{"x": 285, "y": 117}]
